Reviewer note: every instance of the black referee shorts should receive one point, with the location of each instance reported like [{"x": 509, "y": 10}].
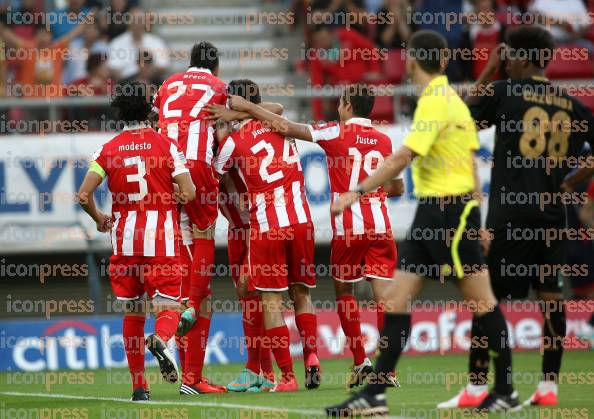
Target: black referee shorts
[
  {"x": 443, "y": 241},
  {"x": 516, "y": 264}
]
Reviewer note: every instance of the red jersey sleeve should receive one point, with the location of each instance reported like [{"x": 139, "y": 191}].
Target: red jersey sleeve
[
  {"x": 326, "y": 135},
  {"x": 177, "y": 162},
  {"x": 225, "y": 158},
  {"x": 98, "y": 163}
]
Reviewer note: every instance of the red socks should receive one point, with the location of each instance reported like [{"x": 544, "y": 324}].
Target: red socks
[
  {"x": 202, "y": 268},
  {"x": 252, "y": 329},
  {"x": 348, "y": 312},
  {"x": 197, "y": 338},
  {"x": 278, "y": 342},
  {"x": 166, "y": 324},
  {"x": 308, "y": 330},
  {"x": 133, "y": 332},
  {"x": 182, "y": 344},
  {"x": 266, "y": 361}
]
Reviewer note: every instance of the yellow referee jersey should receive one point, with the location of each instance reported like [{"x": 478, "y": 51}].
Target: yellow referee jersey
[{"x": 444, "y": 136}]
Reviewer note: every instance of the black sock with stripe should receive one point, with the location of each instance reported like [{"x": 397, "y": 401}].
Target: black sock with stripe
[
  {"x": 495, "y": 329},
  {"x": 392, "y": 342},
  {"x": 478, "y": 359},
  {"x": 553, "y": 332}
]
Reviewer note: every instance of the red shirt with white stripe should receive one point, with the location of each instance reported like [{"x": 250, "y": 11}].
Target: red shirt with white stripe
[
  {"x": 180, "y": 102},
  {"x": 354, "y": 150},
  {"x": 140, "y": 165},
  {"x": 233, "y": 200},
  {"x": 270, "y": 168}
]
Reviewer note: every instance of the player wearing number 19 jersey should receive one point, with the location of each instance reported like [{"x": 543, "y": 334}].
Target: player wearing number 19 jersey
[
  {"x": 280, "y": 255},
  {"x": 539, "y": 134},
  {"x": 181, "y": 102}
]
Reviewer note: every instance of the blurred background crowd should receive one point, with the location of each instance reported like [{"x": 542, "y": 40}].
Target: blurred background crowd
[{"x": 80, "y": 47}]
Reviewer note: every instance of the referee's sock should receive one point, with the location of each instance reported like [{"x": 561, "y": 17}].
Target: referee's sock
[
  {"x": 478, "y": 360},
  {"x": 553, "y": 332},
  {"x": 495, "y": 328},
  {"x": 392, "y": 342}
]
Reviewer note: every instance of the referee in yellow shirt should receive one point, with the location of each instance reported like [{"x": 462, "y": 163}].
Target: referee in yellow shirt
[{"x": 443, "y": 240}]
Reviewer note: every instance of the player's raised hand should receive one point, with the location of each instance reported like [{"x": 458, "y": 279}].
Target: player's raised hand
[
  {"x": 239, "y": 104},
  {"x": 104, "y": 223},
  {"x": 220, "y": 112},
  {"x": 344, "y": 201}
]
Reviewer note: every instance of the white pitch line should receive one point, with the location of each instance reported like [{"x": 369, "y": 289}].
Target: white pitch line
[{"x": 317, "y": 412}]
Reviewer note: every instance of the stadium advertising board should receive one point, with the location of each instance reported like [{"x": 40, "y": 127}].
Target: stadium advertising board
[
  {"x": 96, "y": 342},
  {"x": 40, "y": 174}
]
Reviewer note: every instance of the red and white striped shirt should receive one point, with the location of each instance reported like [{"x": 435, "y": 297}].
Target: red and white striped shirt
[
  {"x": 180, "y": 102},
  {"x": 354, "y": 149},
  {"x": 233, "y": 200},
  {"x": 140, "y": 165},
  {"x": 270, "y": 168}
]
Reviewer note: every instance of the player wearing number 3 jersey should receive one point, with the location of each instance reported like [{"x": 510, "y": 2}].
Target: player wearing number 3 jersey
[
  {"x": 141, "y": 167},
  {"x": 281, "y": 241}
]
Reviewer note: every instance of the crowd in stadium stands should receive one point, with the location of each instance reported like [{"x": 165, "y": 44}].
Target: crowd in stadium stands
[
  {"x": 80, "y": 50},
  {"x": 71, "y": 56},
  {"x": 480, "y": 26}
]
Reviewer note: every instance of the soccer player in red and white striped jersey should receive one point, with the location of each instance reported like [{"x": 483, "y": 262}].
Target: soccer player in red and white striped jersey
[
  {"x": 141, "y": 167},
  {"x": 180, "y": 103},
  {"x": 362, "y": 244},
  {"x": 281, "y": 234}
]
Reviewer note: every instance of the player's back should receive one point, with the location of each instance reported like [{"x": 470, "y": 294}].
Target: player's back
[
  {"x": 233, "y": 202},
  {"x": 354, "y": 150},
  {"x": 180, "y": 101},
  {"x": 140, "y": 165},
  {"x": 540, "y": 132},
  {"x": 270, "y": 168}
]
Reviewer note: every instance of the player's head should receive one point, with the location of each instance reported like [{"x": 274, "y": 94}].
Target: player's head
[
  {"x": 426, "y": 54},
  {"x": 131, "y": 101},
  {"x": 245, "y": 88},
  {"x": 356, "y": 101},
  {"x": 205, "y": 55},
  {"x": 529, "y": 50}
]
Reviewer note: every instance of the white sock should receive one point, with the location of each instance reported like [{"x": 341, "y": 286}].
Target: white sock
[
  {"x": 546, "y": 386},
  {"x": 475, "y": 389}
]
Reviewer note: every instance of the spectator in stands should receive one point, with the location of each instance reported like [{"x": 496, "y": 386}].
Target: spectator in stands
[
  {"x": 91, "y": 42},
  {"x": 339, "y": 57},
  {"x": 482, "y": 34},
  {"x": 147, "y": 72},
  {"x": 428, "y": 14},
  {"x": 113, "y": 19},
  {"x": 567, "y": 20},
  {"x": 96, "y": 83},
  {"x": 42, "y": 59},
  {"x": 395, "y": 34},
  {"x": 124, "y": 51},
  {"x": 69, "y": 18}
]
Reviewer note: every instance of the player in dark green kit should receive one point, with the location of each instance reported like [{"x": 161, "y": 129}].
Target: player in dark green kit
[{"x": 540, "y": 132}]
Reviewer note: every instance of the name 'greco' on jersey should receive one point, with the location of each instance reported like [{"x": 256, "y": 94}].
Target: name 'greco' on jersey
[
  {"x": 270, "y": 168},
  {"x": 354, "y": 149},
  {"x": 140, "y": 165},
  {"x": 180, "y": 102}
]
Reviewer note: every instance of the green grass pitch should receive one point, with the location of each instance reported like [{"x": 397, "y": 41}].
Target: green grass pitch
[{"x": 425, "y": 381}]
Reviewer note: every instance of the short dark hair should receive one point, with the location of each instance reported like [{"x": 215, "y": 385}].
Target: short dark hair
[
  {"x": 94, "y": 61},
  {"x": 426, "y": 47},
  {"x": 361, "y": 97},
  {"x": 534, "y": 43},
  {"x": 204, "y": 55},
  {"x": 245, "y": 88},
  {"x": 131, "y": 100}
]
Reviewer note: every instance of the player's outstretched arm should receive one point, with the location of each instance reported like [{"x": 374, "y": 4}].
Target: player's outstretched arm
[
  {"x": 388, "y": 170},
  {"x": 394, "y": 187},
  {"x": 187, "y": 189},
  {"x": 220, "y": 112},
  {"x": 275, "y": 122},
  {"x": 90, "y": 183}
]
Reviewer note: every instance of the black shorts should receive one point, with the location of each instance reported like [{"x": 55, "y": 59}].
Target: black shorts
[
  {"x": 516, "y": 264},
  {"x": 443, "y": 240}
]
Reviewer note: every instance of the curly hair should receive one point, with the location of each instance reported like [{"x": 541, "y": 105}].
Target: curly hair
[{"x": 131, "y": 100}]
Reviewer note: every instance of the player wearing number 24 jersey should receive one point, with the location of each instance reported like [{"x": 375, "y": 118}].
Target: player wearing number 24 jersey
[{"x": 362, "y": 235}]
